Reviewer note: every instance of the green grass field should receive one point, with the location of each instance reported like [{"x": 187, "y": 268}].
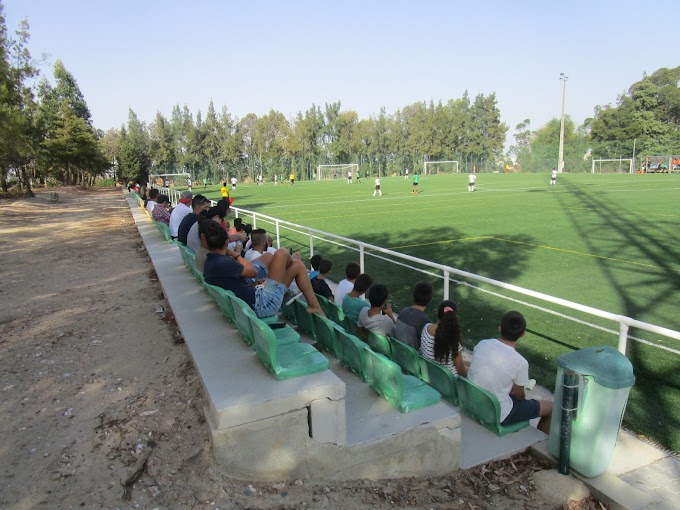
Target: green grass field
[{"x": 608, "y": 241}]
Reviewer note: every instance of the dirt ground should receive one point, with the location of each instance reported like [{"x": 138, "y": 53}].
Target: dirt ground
[{"x": 100, "y": 405}]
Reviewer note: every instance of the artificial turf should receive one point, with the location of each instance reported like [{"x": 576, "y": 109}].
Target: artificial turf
[{"x": 608, "y": 241}]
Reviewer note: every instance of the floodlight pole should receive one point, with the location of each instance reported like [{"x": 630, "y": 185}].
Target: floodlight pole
[{"x": 560, "y": 160}]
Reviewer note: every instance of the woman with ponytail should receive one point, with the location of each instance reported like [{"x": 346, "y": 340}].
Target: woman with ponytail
[{"x": 441, "y": 342}]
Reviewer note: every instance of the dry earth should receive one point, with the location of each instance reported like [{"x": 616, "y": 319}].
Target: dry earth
[{"x": 100, "y": 405}]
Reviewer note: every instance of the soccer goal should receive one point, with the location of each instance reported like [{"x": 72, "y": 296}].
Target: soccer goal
[
  {"x": 440, "y": 167},
  {"x": 613, "y": 166},
  {"x": 159, "y": 179},
  {"x": 336, "y": 171}
]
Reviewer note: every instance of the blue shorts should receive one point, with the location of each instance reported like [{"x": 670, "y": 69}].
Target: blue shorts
[
  {"x": 261, "y": 269},
  {"x": 268, "y": 298},
  {"x": 522, "y": 410}
]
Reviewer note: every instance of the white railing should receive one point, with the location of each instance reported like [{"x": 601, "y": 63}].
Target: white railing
[{"x": 445, "y": 273}]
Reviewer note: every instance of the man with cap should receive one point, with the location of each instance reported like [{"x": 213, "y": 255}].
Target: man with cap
[
  {"x": 160, "y": 211},
  {"x": 179, "y": 212},
  {"x": 199, "y": 204}
]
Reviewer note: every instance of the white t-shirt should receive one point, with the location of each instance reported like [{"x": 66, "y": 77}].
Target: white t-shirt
[
  {"x": 252, "y": 255},
  {"x": 496, "y": 367},
  {"x": 150, "y": 204},
  {"x": 473, "y": 178},
  {"x": 377, "y": 182},
  {"x": 176, "y": 217},
  {"x": 233, "y": 181},
  {"x": 344, "y": 287},
  {"x": 379, "y": 323},
  {"x": 554, "y": 174}
]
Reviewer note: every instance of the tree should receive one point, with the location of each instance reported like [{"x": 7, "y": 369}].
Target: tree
[{"x": 134, "y": 160}]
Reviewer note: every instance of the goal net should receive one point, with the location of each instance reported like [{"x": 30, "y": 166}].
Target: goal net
[
  {"x": 336, "y": 171},
  {"x": 174, "y": 180},
  {"x": 440, "y": 167},
  {"x": 613, "y": 166}
]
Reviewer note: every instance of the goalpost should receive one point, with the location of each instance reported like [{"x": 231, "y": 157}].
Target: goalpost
[
  {"x": 613, "y": 166},
  {"x": 440, "y": 167},
  {"x": 161, "y": 177},
  {"x": 336, "y": 171}
]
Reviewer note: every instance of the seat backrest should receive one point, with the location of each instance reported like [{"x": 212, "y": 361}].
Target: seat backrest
[
  {"x": 336, "y": 314},
  {"x": 165, "y": 230},
  {"x": 325, "y": 332},
  {"x": 353, "y": 353},
  {"x": 241, "y": 313},
  {"x": 289, "y": 312},
  {"x": 352, "y": 326},
  {"x": 441, "y": 379},
  {"x": 264, "y": 342},
  {"x": 479, "y": 404},
  {"x": 387, "y": 378},
  {"x": 405, "y": 356},
  {"x": 379, "y": 343},
  {"x": 222, "y": 299},
  {"x": 325, "y": 304},
  {"x": 304, "y": 319}
]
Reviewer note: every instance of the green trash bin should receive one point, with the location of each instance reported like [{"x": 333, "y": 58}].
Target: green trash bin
[{"x": 605, "y": 377}]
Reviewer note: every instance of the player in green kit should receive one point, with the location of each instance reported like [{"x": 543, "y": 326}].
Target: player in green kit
[{"x": 416, "y": 179}]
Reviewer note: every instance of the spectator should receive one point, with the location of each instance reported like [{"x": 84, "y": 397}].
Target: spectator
[
  {"x": 270, "y": 244},
  {"x": 353, "y": 304},
  {"x": 441, "y": 342},
  {"x": 319, "y": 284},
  {"x": 161, "y": 211},
  {"x": 199, "y": 204},
  {"x": 229, "y": 270},
  {"x": 412, "y": 320},
  {"x": 379, "y": 317},
  {"x": 152, "y": 201},
  {"x": 352, "y": 270},
  {"x": 193, "y": 239},
  {"x": 179, "y": 212},
  {"x": 314, "y": 262},
  {"x": 258, "y": 245},
  {"x": 497, "y": 367}
]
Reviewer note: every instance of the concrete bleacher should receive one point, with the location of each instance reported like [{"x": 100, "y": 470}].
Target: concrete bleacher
[{"x": 327, "y": 425}]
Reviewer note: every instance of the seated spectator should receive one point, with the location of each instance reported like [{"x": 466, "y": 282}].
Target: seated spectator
[
  {"x": 412, "y": 320},
  {"x": 270, "y": 244},
  {"x": 497, "y": 367},
  {"x": 258, "y": 244},
  {"x": 319, "y": 284},
  {"x": 352, "y": 270},
  {"x": 441, "y": 342},
  {"x": 162, "y": 213},
  {"x": 229, "y": 270},
  {"x": 314, "y": 262},
  {"x": 179, "y": 212},
  {"x": 216, "y": 214},
  {"x": 152, "y": 201},
  {"x": 353, "y": 303},
  {"x": 199, "y": 204},
  {"x": 379, "y": 317}
]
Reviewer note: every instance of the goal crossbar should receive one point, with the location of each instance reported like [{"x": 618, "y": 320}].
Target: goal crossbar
[
  {"x": 451, "y": 164},
  {"x": 625, "y": 164},
  {"x": 321, "y": 170}
]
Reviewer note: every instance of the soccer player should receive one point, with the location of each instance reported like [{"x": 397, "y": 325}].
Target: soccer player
[
  {"x": 553, "y": 177},
  {"x": 292, "y": 178},
  {"x": 233, "y": 184},
  {"x": 471, "y": 182},
  {"x": 406, "y": 174},
  {"x": 189, "y": 183},
  {"x": 349, "y": 177},
  {"x": 416, "y": 179},
  {"x": 377, "y": 186},
  {"x": 224, "y": 190},
  {"x": 276, "y": 180}
]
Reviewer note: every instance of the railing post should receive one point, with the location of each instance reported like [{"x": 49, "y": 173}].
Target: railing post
[
  {"x": 361, "y": 257},
  {"x": 623, "y": 337},
  {"x": 278, "y": 238},
  {"x": 446, "y": 285},
  {"x": 254, "y": 221},
  {"x": 311, "y": 245}
]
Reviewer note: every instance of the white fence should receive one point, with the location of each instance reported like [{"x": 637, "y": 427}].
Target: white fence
[{"x": 446, "y": 273}]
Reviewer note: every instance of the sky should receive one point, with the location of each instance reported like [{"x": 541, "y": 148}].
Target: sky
[{"x": 253, "y": 56}]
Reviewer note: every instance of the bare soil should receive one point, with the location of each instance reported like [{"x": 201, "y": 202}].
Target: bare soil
[{"x": 100, "y": 405}]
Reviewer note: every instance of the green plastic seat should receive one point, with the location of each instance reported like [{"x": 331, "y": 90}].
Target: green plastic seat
[
  {"x": 353, "y": 353},
  {"x": 405, "y": 392},
  {"x": 165, "y": 231},
  {"x": 284, "y": 361},
  {"x": 324, "y": 303},
  {"x": 222, "y": 300},
  {"x": 336, "y": 314},
  {"x": 405, "y": 356},
  {"x": 283, "y": 335},
  {"x": 304, "y": 319},
  {"x": 325, "y": 333},
  {"x": 379, "y": 343},
  {"x": 288, "y": 311},
  {"x": 483, "y": 407},
  {"x": 352, "y": 326},
  {"x": 441, "y": 379}
]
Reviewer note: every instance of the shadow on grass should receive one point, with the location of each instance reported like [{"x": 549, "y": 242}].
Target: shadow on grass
[{"x": 608, "y": 231}]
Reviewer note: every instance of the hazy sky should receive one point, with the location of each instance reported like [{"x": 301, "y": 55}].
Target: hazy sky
[{"x": 254, "y": 56}]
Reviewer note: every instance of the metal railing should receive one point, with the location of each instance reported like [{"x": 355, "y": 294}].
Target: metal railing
[{"x": 445, "y": 272}]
